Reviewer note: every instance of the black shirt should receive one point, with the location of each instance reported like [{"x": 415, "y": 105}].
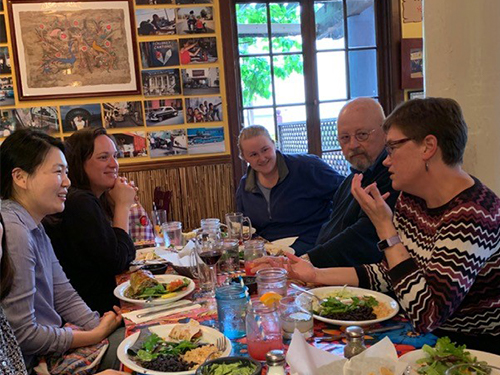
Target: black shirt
[{"x": 89, "y": 249}]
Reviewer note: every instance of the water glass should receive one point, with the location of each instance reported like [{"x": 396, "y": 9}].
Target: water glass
[
  {"x": 211, "y": 227},
  {"x": 202, "y": 272},
  {"x": 231, "y": 310},
  {"x": 296, "y": 315},
  {"x": 254, "y": 249},
  {"x": 263, "y": 330},
  {"x": 230, "y": 261},
  {"x": 158, "y": 217},
  {"x": 172, "y": 232},
  {"x": 272, "y": 280},
  {"x": 234, "y": 222}
]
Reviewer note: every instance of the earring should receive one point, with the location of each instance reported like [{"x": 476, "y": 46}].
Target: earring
[{"x": 426, "y": 166}]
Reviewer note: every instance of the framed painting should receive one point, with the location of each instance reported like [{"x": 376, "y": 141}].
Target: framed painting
[
  {"x": 412, "y": 75},
  {"x": 73, "y": 49}
]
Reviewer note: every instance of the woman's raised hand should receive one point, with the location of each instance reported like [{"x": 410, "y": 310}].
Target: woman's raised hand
[
  {"x": 374, "y": 205},
  {"x": 123, "y": 193}
]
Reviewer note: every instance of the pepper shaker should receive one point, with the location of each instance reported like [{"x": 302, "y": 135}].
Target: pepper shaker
[{"x": 355, "y": 341}]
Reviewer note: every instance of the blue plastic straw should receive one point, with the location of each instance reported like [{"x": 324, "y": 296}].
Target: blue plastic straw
[{"x": 256, "y": 316}]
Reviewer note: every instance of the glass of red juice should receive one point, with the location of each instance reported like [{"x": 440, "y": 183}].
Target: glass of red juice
[
  {"x": 263, "y": 330},
  {"x": 254, "y": 249}
]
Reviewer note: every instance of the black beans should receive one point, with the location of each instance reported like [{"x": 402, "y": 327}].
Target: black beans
[
  {"x": 167, "y": 363},
  {"x": 361, "y": 313}
]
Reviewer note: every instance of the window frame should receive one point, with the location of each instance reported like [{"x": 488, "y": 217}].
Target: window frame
[{"x": 388, "y": 39}]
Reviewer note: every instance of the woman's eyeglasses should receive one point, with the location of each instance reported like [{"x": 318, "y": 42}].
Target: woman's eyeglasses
[
  {"x": 392, "y": 145},
  {"x": 360, "y": 136}
]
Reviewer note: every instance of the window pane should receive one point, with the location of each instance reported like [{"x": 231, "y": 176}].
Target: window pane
[
  {"x": 292, "y": 129},
  {"x": 285, "y": 27},
  {"x": 361, "y": 23},
  {"x": 331, "y": 75},
  {"x": 363, "y": 73},
  {"x": 251, "y": 22},
  {"x": 256, "y": 81},
  {"x": 261, "y": 116},
  {"x": 328, "y": 113},
  {"x": 337, "y": 161},
  {"x": 329, "y": 24},
  {"x": 289, "y": 79}
]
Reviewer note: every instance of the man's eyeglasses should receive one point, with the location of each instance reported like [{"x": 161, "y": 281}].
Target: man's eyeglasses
[
  {"x": 360, "y": 136},
  {"x": 392, "y": 145}
]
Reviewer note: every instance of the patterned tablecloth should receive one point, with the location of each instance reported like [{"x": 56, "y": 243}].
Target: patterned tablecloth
[{"x": 404, "y": 339}]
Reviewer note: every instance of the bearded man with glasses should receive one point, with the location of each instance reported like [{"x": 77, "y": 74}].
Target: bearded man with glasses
[{"x": 349, "y": 238}]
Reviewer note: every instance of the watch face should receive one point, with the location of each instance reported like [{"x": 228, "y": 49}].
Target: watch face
[{"x": 382, "y": 245}]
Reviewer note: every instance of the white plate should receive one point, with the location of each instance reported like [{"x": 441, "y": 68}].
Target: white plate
[
  {"x": 412, "y": 357},
  {"x": 327, "y": 290},
  {"x": 210, "y": 336},
  {"x": 120, "y": 291}
]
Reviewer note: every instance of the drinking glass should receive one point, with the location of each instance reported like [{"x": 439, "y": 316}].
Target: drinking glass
[
  {"x": 472, "y": 369},
  {"x": 209, "y": 252},
  {"x": 230, "y": 261},
  {"x": 172, "y": 233},
  {"x": 272, "y": 280},
  {"x": 158, "y": 217},
  {"x": 231, "y": 310},
  {"x": 254, "y": 249},
  {"x": 296, "y": 315},
  {"x": 263, "y": 330},
  {"x": 234, "y": 222}
]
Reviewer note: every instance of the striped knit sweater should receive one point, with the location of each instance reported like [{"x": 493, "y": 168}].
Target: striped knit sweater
[{"x": 452, "y": 280}]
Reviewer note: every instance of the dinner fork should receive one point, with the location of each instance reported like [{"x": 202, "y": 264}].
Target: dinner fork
[{"x": 221, "y": 345}]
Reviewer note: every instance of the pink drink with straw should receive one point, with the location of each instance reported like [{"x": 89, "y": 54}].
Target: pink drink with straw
[{"x": 263, "y": 330}]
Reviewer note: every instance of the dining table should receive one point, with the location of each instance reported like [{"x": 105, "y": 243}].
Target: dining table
[{"x": 326, "y": 336}]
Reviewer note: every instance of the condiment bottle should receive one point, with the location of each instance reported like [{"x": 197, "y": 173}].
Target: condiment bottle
[
  {"x": 355, "y": 341},
  {"x": 275, "y": 360}
]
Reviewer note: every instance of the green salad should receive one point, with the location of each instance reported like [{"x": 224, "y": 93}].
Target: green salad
[
  {"x": 345, "y": 305},
  {"x": 235, "y": 368},
  {"x": 154, "y": 346},
  {"x": 444, "y": 355}
]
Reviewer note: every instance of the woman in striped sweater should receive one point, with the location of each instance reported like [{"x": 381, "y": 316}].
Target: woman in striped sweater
[{"x": 441, "y": 245}]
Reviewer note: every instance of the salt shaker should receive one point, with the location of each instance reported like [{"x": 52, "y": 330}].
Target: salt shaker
[
  {"x": 275, "y": 360},
  {"x": 355, "y": 341}
]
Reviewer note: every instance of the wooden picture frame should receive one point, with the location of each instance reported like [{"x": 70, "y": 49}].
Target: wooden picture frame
[
  {"x": 412, "y": 64},
  {"x": 73, "y": 49}
]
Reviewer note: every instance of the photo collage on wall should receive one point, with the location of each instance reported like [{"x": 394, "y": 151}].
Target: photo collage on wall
[{"x": 180, "y": 75}]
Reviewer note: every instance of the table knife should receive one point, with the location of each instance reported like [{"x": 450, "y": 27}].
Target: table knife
[{"x": 153, "y": 312}]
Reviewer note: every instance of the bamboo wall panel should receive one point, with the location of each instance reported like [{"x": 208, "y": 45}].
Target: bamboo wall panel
[{"x": 197, "y": 191}]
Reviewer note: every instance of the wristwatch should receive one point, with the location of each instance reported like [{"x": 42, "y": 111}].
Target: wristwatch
[{"x": 384, "y": 244}]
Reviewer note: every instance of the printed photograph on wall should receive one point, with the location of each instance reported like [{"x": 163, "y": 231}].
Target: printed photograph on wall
[
  {"x": 131, "y": 144},
  {"x": 5, "y": 67},
  {"x": 3, "y": 31},
  {"x": 161, "y": 82},
  {"x": 155, "y": 21},
  {"x": 122, "y": 114},
  {"x": 204, "y": 109},
  {"x": 45, "y": 119},
  {"x": 164, "y": 112},
  {"x": 195, "y": 20},
  {"x": 200, "y": 81},
  {"x": 70, "y": 49},
  {"x": 7, "y": 122},
  {"x": 154, "y": 2},
  {"x": 159, "y": 54},
  {"x": 198, "y": 51},
  {"x": 206, "y": 140},
  {"x": 6, "y": 92},
  {"x": 76, "y": 117},
  {"x": 194, "y": 2},
  {"x": 167, "y": 143}
]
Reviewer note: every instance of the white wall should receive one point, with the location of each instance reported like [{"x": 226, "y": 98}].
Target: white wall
[{"x": 462, "y": 61}]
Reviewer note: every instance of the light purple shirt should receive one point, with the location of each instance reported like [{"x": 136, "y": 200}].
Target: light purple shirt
[{"x": 41, "y": 296}]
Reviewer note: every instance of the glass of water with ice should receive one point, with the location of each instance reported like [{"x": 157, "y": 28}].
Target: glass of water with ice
[{"x": 296, "y": 315}]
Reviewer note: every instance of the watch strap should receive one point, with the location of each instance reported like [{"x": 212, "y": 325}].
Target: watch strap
[{"x": 391, "y": 241}]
